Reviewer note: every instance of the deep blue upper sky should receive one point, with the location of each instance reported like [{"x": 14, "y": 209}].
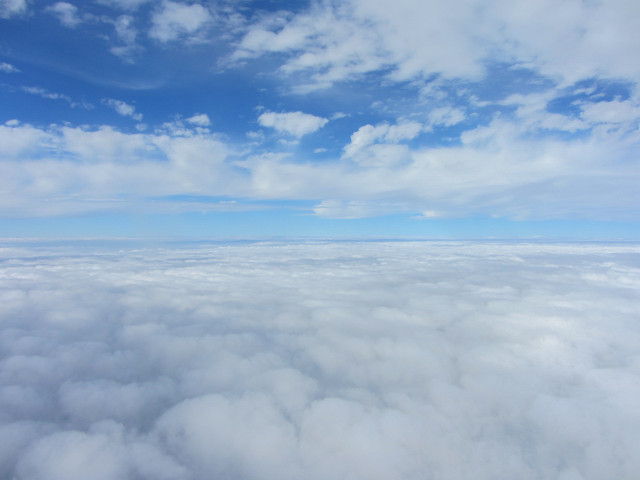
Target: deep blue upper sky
[{"x": 411, "y": 117}]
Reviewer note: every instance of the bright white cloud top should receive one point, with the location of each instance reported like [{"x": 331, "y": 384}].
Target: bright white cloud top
[
  {"x": 473, "y": 109},
  {"x": 405, "y": 360},
  {"x": 123, "y": 108},
  {"x": 292, "y": 123}
]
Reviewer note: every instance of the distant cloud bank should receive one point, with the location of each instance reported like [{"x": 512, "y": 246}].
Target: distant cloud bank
[{"x": 370, "y": 360}]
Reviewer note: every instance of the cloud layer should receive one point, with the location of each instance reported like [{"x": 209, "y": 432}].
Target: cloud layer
[
  {"x": 499, "y": 169},
  {"x": 336, "y": 41},
  {"x": 405, "y": 360}
]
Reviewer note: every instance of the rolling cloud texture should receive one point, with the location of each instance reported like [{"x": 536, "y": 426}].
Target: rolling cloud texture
[{"x": 371, "y": 360}]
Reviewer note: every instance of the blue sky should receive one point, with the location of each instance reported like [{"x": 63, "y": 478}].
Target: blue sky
[{"x": 351, "y": 117}]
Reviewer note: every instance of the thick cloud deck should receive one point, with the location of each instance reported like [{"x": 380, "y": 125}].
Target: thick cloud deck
[{"x": 373, "y": 360}]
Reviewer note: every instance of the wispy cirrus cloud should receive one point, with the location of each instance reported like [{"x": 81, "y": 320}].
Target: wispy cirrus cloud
[
  {"x": 44, "y": 93},
  {"x": 8, "y": 68},
  {"x": 10, "y": 8}
]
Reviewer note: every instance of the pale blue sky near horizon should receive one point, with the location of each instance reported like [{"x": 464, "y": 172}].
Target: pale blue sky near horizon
[
  {"x": 471, "y": 119},
  {"x": 269, "y": 224}
]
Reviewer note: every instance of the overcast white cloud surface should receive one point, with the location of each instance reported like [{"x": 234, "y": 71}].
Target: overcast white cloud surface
[{"x": 404, "y": 360}]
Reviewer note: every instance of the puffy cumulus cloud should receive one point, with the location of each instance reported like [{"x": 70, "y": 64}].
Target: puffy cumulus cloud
[
  {"x": 297, "y": 124},
  {"x": 66, "y": 13},
  {"x": 378, "y": 145},
  {"x": 61, "y": 169},
  {"x": 20, "y": 139},
  {"x": 176, "y": 20},
  {"x": 103, "y": 453},
  {"x": 200, "y": 119},
  {"x": 123, "y": 108},
  {"x": 527, "y": 163},
  {"x": 9, "y": 8},
  {"x": 518, "y": 165},
  {"x": 319, "y": 360},
  {"x": 335, "y": 41}
]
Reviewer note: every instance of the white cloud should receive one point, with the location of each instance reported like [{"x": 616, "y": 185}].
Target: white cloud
[
  {"x": 613, "y": 112},
  {"x": 319, "y": 360},
  {"x": 9, "y": 8},
  {"x": 533, "y": 114},
  {"x": 104, "y": 453},
  {"x": 19, "y": 140},
  {"x": 123, "y": 108},
  {"x": 336, "y": 41},
  {"x": 519, "y": 165},
  {"x": 354, "y": 209},
  {"x": 499, "y": 169},
  {"x": 446, "y": 116},
  {"x": 325, "y": 41},
  {"x": 200, "y": 120},
  {"x": 8, "y": 68},
  {"x": 126, "y": 34},
  {"x": 177, "y": 20},
  {"x": 44, "y": 93},
  {"x": 297, "y": 124},
  {"x": 62, "y": 170},
  {"x": 403, "y": 131},
  {"x": 377, "y": 145},
  {"x": 125, "y": 30},
  {"x": 66, "y": 13}
]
